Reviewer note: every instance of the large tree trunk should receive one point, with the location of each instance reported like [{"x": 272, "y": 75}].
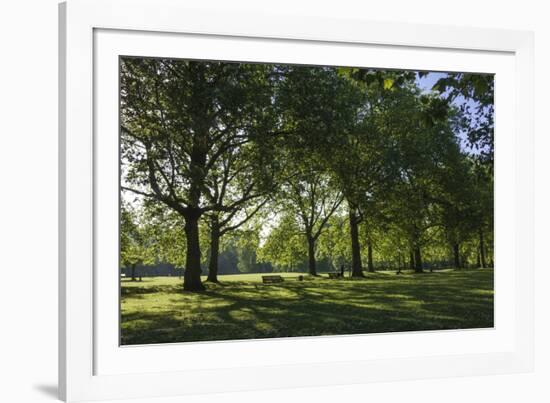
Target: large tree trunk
[
  {"x": 411, "y": 260},
  {"x": 417, "y": 260},
  {"x": 214, "y": 250},
  {"x": 311, "y": 255},
  {"x": 192, "y": 276},
  {"x": 370, "y": 265},
  {"x": 356, "y": 265},
  {"x": 134, "y": 272},
  {"x": 482, "y": 249},
  {"x": 456, "y": 254}
]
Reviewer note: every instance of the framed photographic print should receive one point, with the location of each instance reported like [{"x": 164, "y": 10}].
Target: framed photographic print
[{"x": 259, "y": 201}]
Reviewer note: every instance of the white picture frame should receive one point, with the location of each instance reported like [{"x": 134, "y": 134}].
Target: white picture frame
[{"x": 92, "y": 365}]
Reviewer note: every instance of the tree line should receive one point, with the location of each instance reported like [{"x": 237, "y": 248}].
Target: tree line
[{"x": 301, "y": 165}]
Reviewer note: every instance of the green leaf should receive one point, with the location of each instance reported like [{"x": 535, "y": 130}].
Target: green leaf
[{"x": 388, "y": 83}]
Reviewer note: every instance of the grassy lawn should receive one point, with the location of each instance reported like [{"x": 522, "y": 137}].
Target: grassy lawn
[{"x": 157, "y": 310}]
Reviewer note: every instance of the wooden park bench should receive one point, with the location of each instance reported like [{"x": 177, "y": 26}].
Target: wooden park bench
[
  {"x": 272, "y": 279},
  {"x": 334, "y": 275}
]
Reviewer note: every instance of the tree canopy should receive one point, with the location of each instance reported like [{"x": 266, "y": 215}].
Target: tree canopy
[{"x": 266, "y": 167}]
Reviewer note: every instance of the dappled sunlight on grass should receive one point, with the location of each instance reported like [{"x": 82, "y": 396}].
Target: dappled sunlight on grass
[{"x": 157, "y": 310}]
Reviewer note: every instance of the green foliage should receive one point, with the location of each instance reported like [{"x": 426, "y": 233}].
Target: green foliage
[
  {"x": 275, "y": 161},
  {"x": 186, "y": 126},
  {"x": 285, "y": 247},
  {"x": 133, "y": 248},
  {"x": 247, "y": 242},
  {"x": 334, "y": 244},
  {"x": 478, "y": 115}
]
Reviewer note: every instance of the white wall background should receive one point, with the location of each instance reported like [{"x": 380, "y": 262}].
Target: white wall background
[{"x": 28, "y": 201}]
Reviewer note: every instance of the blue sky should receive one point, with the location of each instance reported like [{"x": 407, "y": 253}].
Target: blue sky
[{"x": 426, "y": 83}]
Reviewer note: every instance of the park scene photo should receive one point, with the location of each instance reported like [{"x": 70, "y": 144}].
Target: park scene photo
[{"x": 275, "y": 200}]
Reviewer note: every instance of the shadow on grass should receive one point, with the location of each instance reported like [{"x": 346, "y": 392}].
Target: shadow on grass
[{"x": 161, "y": 313}]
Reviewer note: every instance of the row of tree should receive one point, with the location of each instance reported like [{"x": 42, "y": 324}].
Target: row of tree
[{"x": 281, "y": 159}]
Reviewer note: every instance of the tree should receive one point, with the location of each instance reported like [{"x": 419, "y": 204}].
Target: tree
[
  {"x": 333, "y": 243},
  {"x": 473, "y": 97},
  {"x": 428, "y": 149},
  {"x": 483, "y": 201},
  {"x": 247, "y": 242},
  {"x": 374, "y": 228},
  {"x": 310, "y": 195},
  {"x": 323, "y": 118},
  {"x": 284, "y": 247},
  {"x": 457, "y": 203},
  {"x": 179, "y": 120},
  {"x": 164, "y": 230},
  {"x": 365, "y": 160},
  {"x": 132, "y": 243},
  {"x": 240, "y": 186}
]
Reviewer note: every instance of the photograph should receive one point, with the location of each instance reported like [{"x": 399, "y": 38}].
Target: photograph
[{"x": 271, "y": 200}]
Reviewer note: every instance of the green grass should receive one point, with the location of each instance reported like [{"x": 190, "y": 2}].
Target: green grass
[{"x": 157, "y": 310}]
